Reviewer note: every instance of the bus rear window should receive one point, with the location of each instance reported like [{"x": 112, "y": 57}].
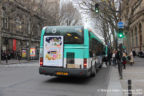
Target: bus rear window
[{"x": 72, "y": 35}]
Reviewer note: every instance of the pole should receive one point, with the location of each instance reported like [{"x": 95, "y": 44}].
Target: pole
[
  {"x": 129, "y": 88},
  {"x": 0, "y": 29},
  {"x": 0, "y": 43}
]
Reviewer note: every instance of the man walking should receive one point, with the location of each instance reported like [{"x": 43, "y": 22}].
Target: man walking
[
  {"x": 118, "y": 59},
  {"x": 109, "y": 57}
]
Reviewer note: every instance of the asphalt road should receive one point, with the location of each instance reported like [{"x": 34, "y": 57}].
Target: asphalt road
[{"x": 24, "y": 80}]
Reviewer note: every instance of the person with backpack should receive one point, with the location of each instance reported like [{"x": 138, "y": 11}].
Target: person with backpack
[{"x": 118, "y": 56}]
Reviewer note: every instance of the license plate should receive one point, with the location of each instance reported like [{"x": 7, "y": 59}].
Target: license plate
[{"x": 62, "y": 73}]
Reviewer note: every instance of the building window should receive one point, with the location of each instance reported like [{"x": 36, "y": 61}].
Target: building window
[
  {"x": 5, "y": 23},
  {"x": 18, "y": 24}
]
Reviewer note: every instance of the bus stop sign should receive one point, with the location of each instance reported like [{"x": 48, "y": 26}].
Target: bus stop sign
[{"x": 120, "y": 24}]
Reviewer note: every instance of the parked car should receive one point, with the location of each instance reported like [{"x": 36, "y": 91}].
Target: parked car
[{"x": 141, "y": 54}]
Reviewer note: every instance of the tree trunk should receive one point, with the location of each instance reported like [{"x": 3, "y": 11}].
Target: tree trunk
[
  {"x": 0, "y": 31},
  {"x": 30, "y": 33}
]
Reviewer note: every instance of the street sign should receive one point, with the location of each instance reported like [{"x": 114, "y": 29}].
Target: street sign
[
  {"x": 120, "y": 40},
  {"x": 120, "y": 24}
]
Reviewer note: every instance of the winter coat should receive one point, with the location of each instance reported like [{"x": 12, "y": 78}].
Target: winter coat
[{"x": 131, "y": 57}]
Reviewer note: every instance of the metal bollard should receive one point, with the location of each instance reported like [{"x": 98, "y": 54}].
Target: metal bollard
[{"x": 129, "y": 88}]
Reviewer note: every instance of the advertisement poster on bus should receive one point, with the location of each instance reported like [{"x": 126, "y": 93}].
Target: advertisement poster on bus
[
  {"x": 32, "y": 52},
  {"x": 53, "y": 51},
  {"x": 23, "y": 53}
]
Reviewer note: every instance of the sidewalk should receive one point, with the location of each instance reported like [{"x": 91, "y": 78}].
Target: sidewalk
[
  {"x": 114, "y": 87},
  {"x": 13, "y": 61},
  {"x": 134, "y": 73}
]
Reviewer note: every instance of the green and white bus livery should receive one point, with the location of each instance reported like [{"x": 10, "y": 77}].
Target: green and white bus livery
[{"x": 70, "y": 51}]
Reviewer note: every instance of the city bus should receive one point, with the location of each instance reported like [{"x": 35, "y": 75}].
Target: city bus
[{"x": 70, "y": 51}]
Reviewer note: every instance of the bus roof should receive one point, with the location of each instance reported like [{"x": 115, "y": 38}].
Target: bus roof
[
  {"x": 55, "y": 28},
  {"x": 95, "y": 37}
]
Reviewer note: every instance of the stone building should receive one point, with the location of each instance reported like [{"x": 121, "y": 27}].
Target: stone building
[
  {"x": 132, "y": 14},
  {"x": 16, "y": 28}
]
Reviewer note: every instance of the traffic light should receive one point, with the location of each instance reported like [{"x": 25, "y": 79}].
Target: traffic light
[
  {"x": 97, "y": 8},
  {"x": 120, "y": 33}
]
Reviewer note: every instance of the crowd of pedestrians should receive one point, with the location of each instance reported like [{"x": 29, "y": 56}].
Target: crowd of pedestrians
[
  {"x": 120, "y": 58},
  {"x": 116, "y": 56},
  {"x": 7, "y": 55}
]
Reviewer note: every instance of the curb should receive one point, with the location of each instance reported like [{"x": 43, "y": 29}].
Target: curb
[{"x": 18, "y": 62}]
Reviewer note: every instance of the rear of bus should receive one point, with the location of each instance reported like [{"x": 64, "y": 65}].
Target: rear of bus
[{"x": 64, "y": 51}]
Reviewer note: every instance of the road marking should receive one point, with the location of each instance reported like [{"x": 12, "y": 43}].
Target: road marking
[
  {"x": 134, "y": 80},
  {"x": 134, "y": 72}
]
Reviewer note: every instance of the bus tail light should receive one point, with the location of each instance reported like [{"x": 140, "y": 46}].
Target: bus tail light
[
  {"x": 41, "y": 61},
  {"x": 85, "y": 63}
]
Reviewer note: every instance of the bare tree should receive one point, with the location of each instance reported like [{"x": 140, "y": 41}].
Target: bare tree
[
  {"x": 69, "y": 15},
  {"x": 107, "y": 14},
  {"x": 42, "y": 10}
]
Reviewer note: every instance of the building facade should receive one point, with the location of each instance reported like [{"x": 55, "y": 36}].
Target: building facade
[
  {"x": 132, "y": 14},
  {"x": 17, "y": 30}
]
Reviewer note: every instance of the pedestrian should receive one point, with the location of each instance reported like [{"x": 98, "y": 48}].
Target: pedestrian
[
  {"x": 124, "y": 60},
  {"x": 118, "y": 56},
  {"x": 105, "y": 60},
  {"x": 131, "y": 58},
  {"x": 114, "y": 57},
  {"x": 9, "y": 56},
  {"x": 109, "y": 57},
  {"x": 2, "y": 56},
  {"x": 6, "y": 57},
  {"x": 118, "y": 59},
  {"x": 19, "y": 56},
  {"x": 134, "y": 53}
]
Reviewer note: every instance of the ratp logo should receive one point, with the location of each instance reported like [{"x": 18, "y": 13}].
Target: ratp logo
[{"x": 54, "y": 30}]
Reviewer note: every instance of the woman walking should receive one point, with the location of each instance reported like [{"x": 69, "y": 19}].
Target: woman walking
[
  {"x": 131, "y": 58},
  {"x": 124, "y": 60}
]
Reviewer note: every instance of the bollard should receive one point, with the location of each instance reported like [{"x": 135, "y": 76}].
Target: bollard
[{"x": 129, "y": 88}]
